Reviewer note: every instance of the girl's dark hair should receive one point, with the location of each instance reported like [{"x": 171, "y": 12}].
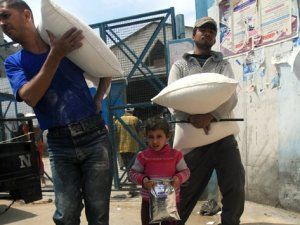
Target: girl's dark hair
[
  {"x": 157, "y": 123},
  {"x": 19, "y": 5}
]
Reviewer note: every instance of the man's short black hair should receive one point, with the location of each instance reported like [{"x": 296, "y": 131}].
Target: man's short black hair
[
  {"x": 19, "y": 5},
  {"x": 157, "y": 123}
]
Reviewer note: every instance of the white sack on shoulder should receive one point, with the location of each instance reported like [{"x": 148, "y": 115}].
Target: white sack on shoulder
[{"x": 94, "y": 56}]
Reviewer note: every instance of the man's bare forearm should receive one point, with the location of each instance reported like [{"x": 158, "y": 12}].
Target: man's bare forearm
[{"x": 102, "y": 88}]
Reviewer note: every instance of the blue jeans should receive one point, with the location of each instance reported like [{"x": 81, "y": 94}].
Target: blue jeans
[{"x": 81, "y": 169}]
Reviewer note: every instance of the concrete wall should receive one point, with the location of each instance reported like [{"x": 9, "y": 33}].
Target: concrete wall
[
  {"x": 289, "y": 141},
  {"x": 258, "y": 138},
  {"x": 269, "y": 138}
]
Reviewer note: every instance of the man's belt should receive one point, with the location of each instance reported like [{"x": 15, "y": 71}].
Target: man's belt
[{"x": 78, "y": 128}]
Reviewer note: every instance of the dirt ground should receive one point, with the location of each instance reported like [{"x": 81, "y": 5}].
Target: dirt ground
[{"x": 126, "y": 211}]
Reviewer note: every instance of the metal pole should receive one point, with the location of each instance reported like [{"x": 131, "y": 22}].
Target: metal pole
[
  {"x": 2, "y": 128},
  {"x": 174, "y": 32},
  {"x": 114, "y": 146},
  {"x": 102, "y": 30}
]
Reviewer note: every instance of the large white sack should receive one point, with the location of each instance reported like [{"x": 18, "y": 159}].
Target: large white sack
[
  {"x": 198, "y": 93},
  {"x": 187, "y": 136},
  {"x": 94, "y": 57}
]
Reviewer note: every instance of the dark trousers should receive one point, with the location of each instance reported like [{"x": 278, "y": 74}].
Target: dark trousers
[
  {"x": 224, "y": 156},
  {"x": 145, "y": 214},
  {"x": 127, "y": 158}
]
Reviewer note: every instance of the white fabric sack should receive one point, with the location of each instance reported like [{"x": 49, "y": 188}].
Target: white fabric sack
[
  {"x": 187, "y": 136},
  {"x": 94, "y": 56},
  {"x": 197, "y": 94}
]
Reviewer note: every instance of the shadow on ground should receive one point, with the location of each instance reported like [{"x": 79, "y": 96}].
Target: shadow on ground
[{"x": 14, "y": 215}]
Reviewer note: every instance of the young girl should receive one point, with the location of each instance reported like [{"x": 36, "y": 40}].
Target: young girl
[{"x": 159, "y": 160}]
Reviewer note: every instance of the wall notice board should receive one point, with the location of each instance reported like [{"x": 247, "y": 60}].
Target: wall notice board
[{"x": 249, "y": 24}]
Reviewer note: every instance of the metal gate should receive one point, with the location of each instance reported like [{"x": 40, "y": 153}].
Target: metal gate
[{"x": 139, "y": 42}]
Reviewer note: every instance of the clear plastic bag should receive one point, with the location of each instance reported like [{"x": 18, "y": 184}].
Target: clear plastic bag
[{"x": 163, "y": 202}]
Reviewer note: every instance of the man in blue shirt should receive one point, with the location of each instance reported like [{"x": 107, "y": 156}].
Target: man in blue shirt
[{"x": 79, "y": 149}]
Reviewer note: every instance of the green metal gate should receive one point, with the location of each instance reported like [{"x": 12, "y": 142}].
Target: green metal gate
[{"x": 139, "y": 42}]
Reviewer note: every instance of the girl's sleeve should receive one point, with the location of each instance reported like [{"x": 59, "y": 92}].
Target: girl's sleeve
[
  {"x": 136, "y": 173},
  {"x": 183, "y": 172}
]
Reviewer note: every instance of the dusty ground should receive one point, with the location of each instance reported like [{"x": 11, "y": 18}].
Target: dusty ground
[{"x": 126, "y": 211}]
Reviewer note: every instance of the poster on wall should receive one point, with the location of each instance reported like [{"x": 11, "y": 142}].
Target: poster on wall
[
  {"x": 245, "y": 25},
  {"x": 277, "y": 21},
  {"x": 226, "y": 35},
  {"x": 256, "y": 23}
]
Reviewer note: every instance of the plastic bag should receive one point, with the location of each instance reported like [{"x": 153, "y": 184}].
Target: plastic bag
[
  {"x": 163, "y": 202},
  {"x": 210, "y": 208}
]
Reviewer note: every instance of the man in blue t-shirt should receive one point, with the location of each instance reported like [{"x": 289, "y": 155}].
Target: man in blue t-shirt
[{"x": 79, "y": 149}]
